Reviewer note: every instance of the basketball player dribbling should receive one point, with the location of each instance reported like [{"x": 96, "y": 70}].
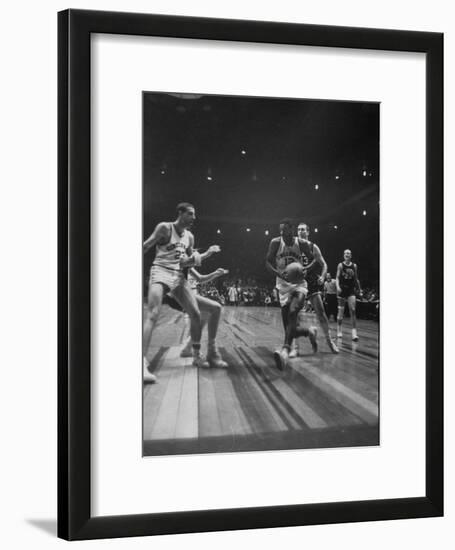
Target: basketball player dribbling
[
  {"x": 312, "y": 261},
  {"x": 174, "y": 251},
  {"x": 283, "y": 251},
  {"x": 347, "y": 285}
]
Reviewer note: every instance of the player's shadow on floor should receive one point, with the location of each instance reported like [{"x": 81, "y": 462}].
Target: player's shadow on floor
[{"x": 49, "y": 526}]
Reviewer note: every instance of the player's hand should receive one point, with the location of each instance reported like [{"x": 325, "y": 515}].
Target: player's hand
[
  {"x": 320, "y": 281},
  {"x": 183, "y": 258},
  {"x": 220, "y": 272},
  {"x": 214, "y": 249}
]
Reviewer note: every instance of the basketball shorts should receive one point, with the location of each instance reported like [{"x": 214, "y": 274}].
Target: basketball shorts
[
  {"x": 346, "y": 293},
  {"x": 287, "y": 290},
  {"x": 170, "y": 278}
]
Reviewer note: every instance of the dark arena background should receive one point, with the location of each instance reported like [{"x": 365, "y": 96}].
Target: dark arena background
[{"x": 245, "y": 163}]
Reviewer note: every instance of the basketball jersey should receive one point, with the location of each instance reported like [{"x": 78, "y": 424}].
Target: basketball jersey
[
  {"x": 307, "y": 251},
  {"x": 287, "y": 254},
  {"x": 347, "y": 276},
  {"x": 168, "y": 255}
]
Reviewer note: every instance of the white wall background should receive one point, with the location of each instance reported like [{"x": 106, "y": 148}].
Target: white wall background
[{"x": 28, "y": 280}]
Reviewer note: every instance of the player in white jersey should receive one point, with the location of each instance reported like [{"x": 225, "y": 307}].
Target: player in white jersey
[
  {"x": 174, "y": 251},
  {"x": 283, "y": 251}
]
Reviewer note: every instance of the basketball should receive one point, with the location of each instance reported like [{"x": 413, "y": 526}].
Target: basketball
[{"x": 294, "y": 272}]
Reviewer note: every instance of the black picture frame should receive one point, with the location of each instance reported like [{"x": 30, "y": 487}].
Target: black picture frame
[{"x": 75, "y": 521}]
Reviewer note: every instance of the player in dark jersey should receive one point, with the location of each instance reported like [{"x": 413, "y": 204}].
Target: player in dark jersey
[
  {"x": 315, "y": 277},
  {"x": 283, "y": 251},
  {"x": 347, "y": 285}
]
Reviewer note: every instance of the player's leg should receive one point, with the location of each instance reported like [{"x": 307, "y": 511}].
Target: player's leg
[
  {"x": 341, "y": 304},
  {"x": 299, "y": 330},
  {"x": 285, "y": 319},
  {"x": 168, "y": 300},
  {"x": 186, "y": 298},
  {"x": 285, "y": 315},
  {"x": 297, "y": 300},
  {"x": 187, "y": 350},
  {"x": 351, "y": 306},
  {"x": 212, "y": 311},
  {"x": 318, "y": 306},
  {"x": 152, "y": 312}
]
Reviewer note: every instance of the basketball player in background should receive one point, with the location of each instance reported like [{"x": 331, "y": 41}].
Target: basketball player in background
[
  {"x": 284, "y": 250},
  {"x": 174, "y": 252},
  {"x": 316, "y": 268},
  {"x": 347, "y": 284}
]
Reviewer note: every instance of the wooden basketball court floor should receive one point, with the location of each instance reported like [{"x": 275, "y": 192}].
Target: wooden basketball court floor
[{"x": 322, "y": 400}]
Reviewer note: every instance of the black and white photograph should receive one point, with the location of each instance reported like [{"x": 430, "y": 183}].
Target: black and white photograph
[
  {"x": 261, "y": 290},
  {"x": 228, "y": 224}
]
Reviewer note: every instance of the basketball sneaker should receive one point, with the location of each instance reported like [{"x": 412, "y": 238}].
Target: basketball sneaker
[
  {"x": 214, "y": 358},
  {"x": 294, "y": 351},
  {"x": 312, "y": 335},
  {"x": 354, "y": 335},
  {"x": 281, "y": 358},
  {"x": 332, "y": 346},
  {"x": 199, "y": 361},
  {"x": 149, "y": 378}
]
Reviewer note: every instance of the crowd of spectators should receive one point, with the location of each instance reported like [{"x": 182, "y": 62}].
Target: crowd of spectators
[
  {"x": 240, "y": 292},
  {"x": 249, "y": 292}
]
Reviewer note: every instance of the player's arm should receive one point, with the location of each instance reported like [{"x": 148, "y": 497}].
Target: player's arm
[
  {"x": 159, "y": 236},
  {"x": 193, "y": 258},
  {"x": 338, "y": 278},
  {"x": 214, "y": 249},
  {"x": 209, "y": 276},
  {"x": 190, "y": 258},
  {"x": 270, "y": 258},
  {"x": 320, "y": 260}
]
